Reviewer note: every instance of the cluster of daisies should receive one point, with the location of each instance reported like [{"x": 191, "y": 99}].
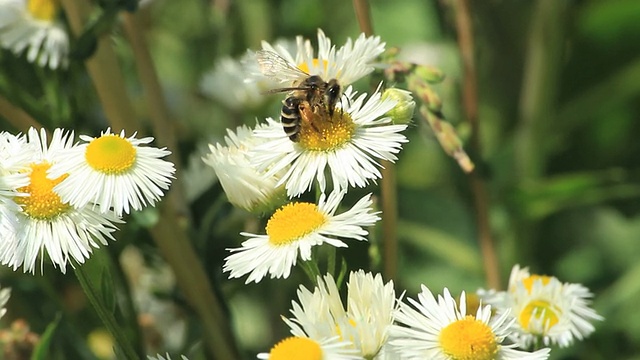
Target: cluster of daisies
[
  {"x": 64, "y": 198},
  {"x": 262, "y": 171},
  {"x": 518, "y": 324}
]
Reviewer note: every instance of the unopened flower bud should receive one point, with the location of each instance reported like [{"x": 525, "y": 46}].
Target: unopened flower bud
[
  {"x": 429, "y": 74},
  {"x": 403, "y": 111}
]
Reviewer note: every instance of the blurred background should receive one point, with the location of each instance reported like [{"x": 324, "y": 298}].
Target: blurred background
[{"x": 558, "y": 86}]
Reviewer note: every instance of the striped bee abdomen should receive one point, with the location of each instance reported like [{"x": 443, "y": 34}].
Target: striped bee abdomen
[{"x": 290, "y": 117}]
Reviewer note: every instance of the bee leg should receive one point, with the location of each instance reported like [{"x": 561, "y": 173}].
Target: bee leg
[{"x": 308, "y": 113}]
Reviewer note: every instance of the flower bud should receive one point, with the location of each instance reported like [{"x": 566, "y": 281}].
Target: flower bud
[
  {"x": 429, "y": 74},
  {"x": 403, "y": 111}
]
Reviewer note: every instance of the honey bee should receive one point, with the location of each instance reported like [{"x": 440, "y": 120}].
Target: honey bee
[{"x": 309, "y": 99}]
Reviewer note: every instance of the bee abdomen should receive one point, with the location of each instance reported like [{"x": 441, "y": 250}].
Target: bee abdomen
[{"x": 290, "y": 117}]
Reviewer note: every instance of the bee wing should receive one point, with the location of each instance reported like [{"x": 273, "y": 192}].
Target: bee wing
[
  {"x": 275, "y": 66},
  {"x": 281, "y": 90}
]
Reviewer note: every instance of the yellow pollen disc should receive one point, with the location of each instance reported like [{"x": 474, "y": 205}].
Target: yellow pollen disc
[
  {"x": 42, "y": 203},
  {"x": 110, "y": 154},
  {"x": 539, "y": 309},
  {"x": 528, "y": 282},
  {"x": 304, "y": 67},
  {"x": 293, "y": 221},
  {"x": 468, "y": 339},
  {"x": 45, "y": 10},
  {"x": 296, "y": 348},
  {"x": 324, "y": 133}
]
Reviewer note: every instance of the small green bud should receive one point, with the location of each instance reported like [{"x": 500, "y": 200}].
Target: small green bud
[
  {"x": 403, "y": 111},
  {"x": 429, "y": 74},
  {"x": 391, "y": 53},
  {"x": 425, "y": 93}
]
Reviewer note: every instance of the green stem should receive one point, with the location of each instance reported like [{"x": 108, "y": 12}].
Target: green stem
[
  {"x": 128, "y": 307},
  {"x": 390, "y": 221},
  {"x": 105, "y": 315},
  {"x": 539, "y": 87},
  {"x": 538, "y": 103},
  {"x": 331, "y": 260},
  {"x": 311, "y": 269}
]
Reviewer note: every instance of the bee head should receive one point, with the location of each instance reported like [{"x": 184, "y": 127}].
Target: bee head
[
  {"x": 314, "y": 82},
  {"x": 332, "y": 94}
]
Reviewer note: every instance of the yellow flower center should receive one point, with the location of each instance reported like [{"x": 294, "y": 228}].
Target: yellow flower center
[
  {"x": 468, "y": 339},
  {"x": 42, "y": 203},
  {"x": 296, "y": 348},
  {"x": 293, "y": 221},
  {"x": 528, "y": 282},
  {"x": 110, "y": 154},
  {"x": 45, "y": 10},
  {"x": 541, "y": 310},
  {"x": 324, "y": 134},
  {"x": 304, "y": 67}
]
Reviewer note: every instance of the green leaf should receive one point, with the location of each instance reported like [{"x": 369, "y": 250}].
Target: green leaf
[
  {"x": 441, "y": 244},
  {"x": 41, "y": 350},
  {"x": 551, "y": 195},
  {"x": 107, "y": 290}
]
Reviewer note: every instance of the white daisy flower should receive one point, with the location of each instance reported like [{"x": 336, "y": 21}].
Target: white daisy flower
[
  {"x": 442, "y": 330},
  {"x": 347, "y": 64},
  {"x": 12, "y": 177},
  {"x": 547, "y": 311},
  {"x": 113, "y": 172},
  {"x": 245, "y": 186},
  {"x": 350, "y": 146},
  {"x": 227, "y": 83},
  {"x": 365, "y": 322},
  {"x": 303, "y": 348},
  {"x": 12, "y": 159},
  {"x": 44, "y": 221},
  {"x": 296, "y": 228},
  {"x": 5, "y": 294},
  {"x": 31, "y": 25}
]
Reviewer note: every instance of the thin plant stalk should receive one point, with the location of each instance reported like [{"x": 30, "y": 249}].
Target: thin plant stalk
[
  {"x": 363, "y": 14},
  {"x": 545, "y": 48},
  {"x": 17, "y": 117},
  {"x": 105, "y": 72},
  {"x": 388, "y": 188},
  {"x": 477, "y": 182},
  {"x": 159, "y": 113},
  {"x": 538, "y": 102},
  {"x": 105, "y": 315}
]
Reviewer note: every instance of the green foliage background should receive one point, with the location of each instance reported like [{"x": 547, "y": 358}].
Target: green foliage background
[{"x": 559, "y": 116}]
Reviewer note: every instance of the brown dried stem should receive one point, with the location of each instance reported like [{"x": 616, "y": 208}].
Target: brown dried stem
[
  {"x": 388, "y": 185},
  {"x": 17, "y": 117},
  {"x": 470, "y": 103}
]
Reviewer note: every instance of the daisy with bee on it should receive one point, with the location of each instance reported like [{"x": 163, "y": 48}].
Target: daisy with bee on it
[{"x": 326, "y": 128}]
